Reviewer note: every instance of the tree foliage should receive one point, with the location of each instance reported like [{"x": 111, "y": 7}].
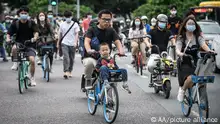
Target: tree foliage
[{"x": 154, "y": 7}]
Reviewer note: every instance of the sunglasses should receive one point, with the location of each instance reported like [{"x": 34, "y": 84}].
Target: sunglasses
[{"x": 106, "y": 19}]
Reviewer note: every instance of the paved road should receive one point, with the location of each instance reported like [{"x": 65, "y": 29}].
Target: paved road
[{"x": 61, "y": 101}]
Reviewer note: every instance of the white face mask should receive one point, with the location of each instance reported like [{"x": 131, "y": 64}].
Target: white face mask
[
  {"x": 153, "y": 24},
  {"x": 42, "y": 18},
  {"x": 173, "y": 12},
  {"x": 90, "y": 16}
]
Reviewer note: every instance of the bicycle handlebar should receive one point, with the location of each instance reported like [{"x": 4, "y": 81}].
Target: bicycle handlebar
[
  {"x": 204, "y": 55},
  {"x": 118, "y": 54},
  {"x": 171, "y": 46},
  {"x": 137, "y": 38}
]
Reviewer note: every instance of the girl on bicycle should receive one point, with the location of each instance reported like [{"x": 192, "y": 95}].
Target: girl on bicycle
[
  {"x": 137, "y": 30},
  {"x": 45, "y": 29},
  {"x": 189, "y": 40}
]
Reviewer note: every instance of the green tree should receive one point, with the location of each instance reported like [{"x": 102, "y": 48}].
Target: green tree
[
  {"x": 154, "y": 7},
  {"x": 37, "y": 6}
]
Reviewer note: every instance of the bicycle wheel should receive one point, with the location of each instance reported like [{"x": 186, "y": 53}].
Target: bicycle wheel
[
  {"x": 141, "y": 65},
  {"x": 47, "y": 69},
  {"x": 167, "y": 88},
  {"x": 26, "y": 80},
  {"x": 20, "y": 79},
  {"x": 203, "y": 106},
  {"x": 112, "y": 104},
  {"x": 137, "y": 65},
  {"x": 186, "y": 105},
  {"x": 92, "y": 101}
]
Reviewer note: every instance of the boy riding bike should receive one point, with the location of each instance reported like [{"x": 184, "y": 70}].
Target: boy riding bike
[{"x": 105, "y": 63}]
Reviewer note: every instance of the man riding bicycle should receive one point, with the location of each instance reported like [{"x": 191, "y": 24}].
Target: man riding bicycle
[
  {"x": 100, "y": 33},
  {"x": 160, "y": 36},
  {"x": 25, "y": 30}
]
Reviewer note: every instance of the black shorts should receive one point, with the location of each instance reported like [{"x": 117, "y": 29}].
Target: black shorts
[{"x": 30, "y": 52}]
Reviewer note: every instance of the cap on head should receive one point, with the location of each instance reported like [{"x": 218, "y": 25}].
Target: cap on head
[
  {"x": 128, "y": 20},
  {"x": 153, "y": 20},
  {"x": 144, "y": 18},
  {"x": 162, "y": 18}
]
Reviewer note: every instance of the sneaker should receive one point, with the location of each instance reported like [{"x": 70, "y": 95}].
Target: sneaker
[
  {"x": 51, "y": 70},
  {"x": 132, "y": 62},
  {"x": 5, "y": 60},
  {"x": 88, "y": 84},
  {"x": 39, "y": 62},
  {"x": 33, "y": 82},
  {"x": 70, "y": 75},
  {"x": 65, "y": 75},
  {"x": 150, "y": 85},
  {"x": 83, "y": 90},
  {"x": 144, "y": 67},
  {"x": 125, "y": 87},
  {"x": 180, "y": 95},
  {"x": 15, "y": 66}
]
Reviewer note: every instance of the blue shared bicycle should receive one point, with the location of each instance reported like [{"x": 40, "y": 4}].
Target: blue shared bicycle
[
  {"x": 198, "y": 94},
  {"x": 105, "y": 94},
  {"x": 46, "y": 50}
]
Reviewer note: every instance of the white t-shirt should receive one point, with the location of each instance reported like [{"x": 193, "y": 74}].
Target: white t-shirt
[{"x": 70, "y": 36}]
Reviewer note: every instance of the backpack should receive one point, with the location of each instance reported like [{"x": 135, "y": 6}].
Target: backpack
[
  {"x": 94, "y": 43},
  {"x": 17, "y": 24}
]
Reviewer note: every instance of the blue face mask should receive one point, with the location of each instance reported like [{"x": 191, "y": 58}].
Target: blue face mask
[
  {"x": 68, "y": 20},
  {"x": 162, "y": 25},
  {"x": 50, "y": 16},
  {"x": 137, "y": 23},
  {"x": 23, "y": 16},
  {"x": 191, "y": 28}
]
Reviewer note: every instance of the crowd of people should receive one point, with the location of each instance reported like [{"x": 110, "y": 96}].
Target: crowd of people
[{"x": 64, "y": 32}]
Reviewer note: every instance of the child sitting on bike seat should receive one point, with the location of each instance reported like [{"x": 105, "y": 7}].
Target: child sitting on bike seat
[{"x": 106, "y": 63}]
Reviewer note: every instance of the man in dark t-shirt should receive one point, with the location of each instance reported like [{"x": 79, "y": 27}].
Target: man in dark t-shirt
[
  {"x": 24, "y": 29},
  {"x": 160, "y": 37},
  {"x": 104, "y": 33},
  {"x": 174, "y": 21}
]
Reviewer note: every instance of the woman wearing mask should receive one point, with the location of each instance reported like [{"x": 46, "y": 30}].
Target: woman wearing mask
[
  {"x": 45, "y": 29},
  {"x": 189, "y": 40},
  {"x": 137, "y": 30},
  {"x": 153, "y": 23}
]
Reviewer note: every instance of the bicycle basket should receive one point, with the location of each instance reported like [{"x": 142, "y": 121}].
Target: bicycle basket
[
  {"x": 115, "y": 76},
  {"x": 45, "y": 49},
  {"x": 21, "y": 56}
]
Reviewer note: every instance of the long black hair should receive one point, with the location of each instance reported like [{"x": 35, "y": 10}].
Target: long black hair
[
  {"x": 38, "y": 20},
  {"x": 183, "y": 30},
  {"x": 141, "y": 26}
]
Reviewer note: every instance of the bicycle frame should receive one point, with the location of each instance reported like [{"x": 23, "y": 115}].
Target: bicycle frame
[
  {"x": 204, "y": 80},
  {"x": 46, "y": 55},
  {"x": 139, "y": 54},
  {"x": 100, "y": 90}
]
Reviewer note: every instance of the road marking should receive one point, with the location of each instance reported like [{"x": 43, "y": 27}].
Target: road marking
[
  {"x": 143, "y": 76},
  {"x": 195, "y": 113},
  {"x": 131, "y": 67}
]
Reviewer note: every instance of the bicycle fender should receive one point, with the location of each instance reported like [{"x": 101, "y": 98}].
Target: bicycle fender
[{"x": 165, "y": 79}]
